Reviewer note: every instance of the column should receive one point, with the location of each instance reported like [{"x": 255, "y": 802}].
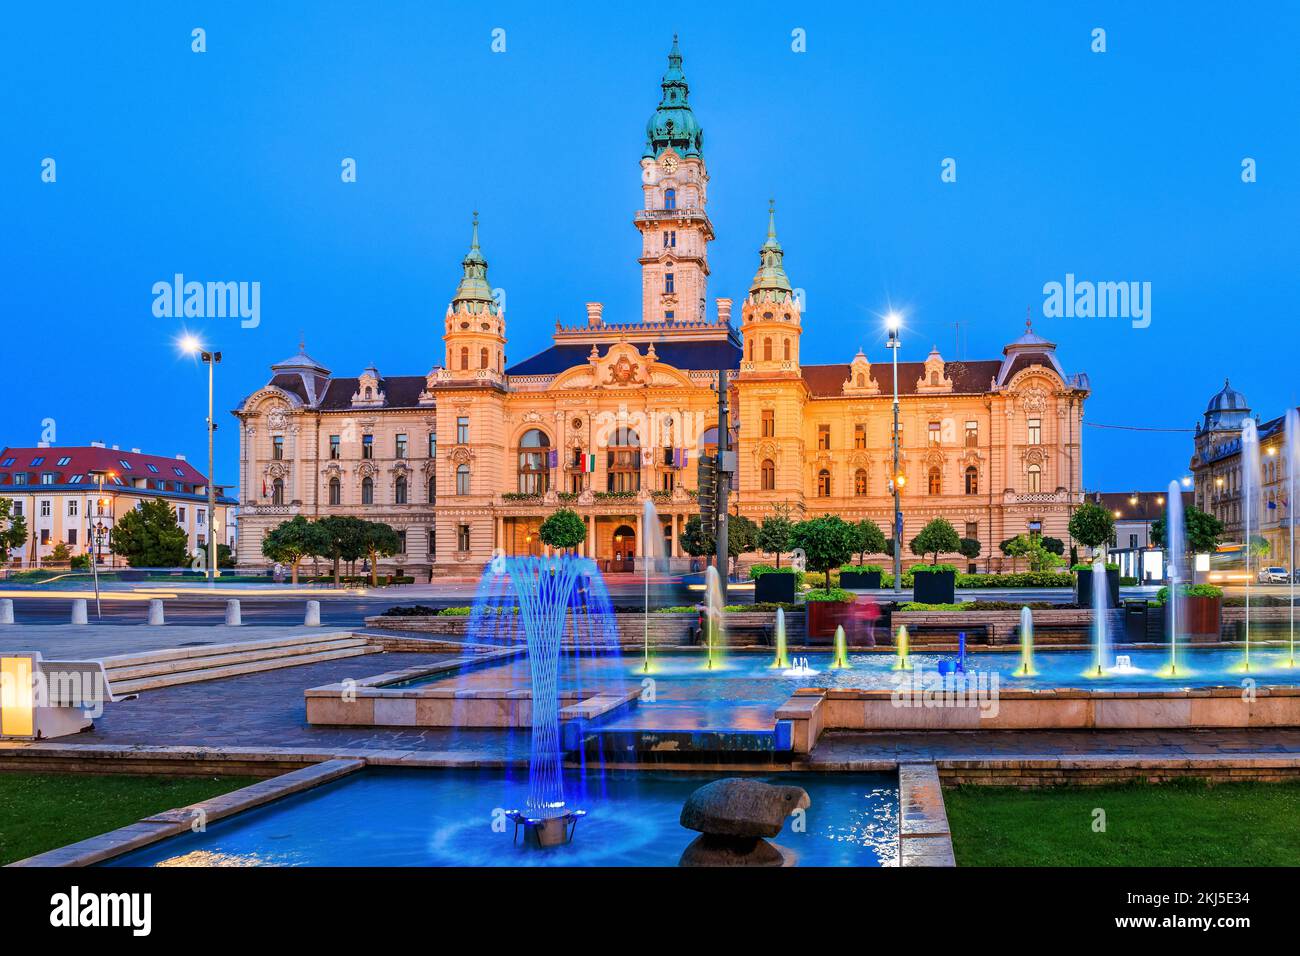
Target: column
[
  {"x": 673, "y": 543},
  {"x": 591, "y": 535},
  {"x": 640, "y": 534}
]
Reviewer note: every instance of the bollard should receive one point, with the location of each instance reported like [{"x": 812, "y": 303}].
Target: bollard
[
  {"x": 232, "y": 613},
  {"x": 6, "y": 611},
  {"x": 156, "y": 611},
  {"x": 79, "y": 611},
  {"x": 313, "y": 614}
]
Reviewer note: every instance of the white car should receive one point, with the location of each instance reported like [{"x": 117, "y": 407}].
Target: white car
[{"x": 1274, "y": 575}]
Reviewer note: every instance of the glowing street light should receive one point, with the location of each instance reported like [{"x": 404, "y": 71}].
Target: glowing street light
[
  {"x": 192, "y": 346},
  {"x": 892, "y": 323}
]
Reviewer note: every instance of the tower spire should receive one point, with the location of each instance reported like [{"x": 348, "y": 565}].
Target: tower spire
[
  {"x": 771, "y": 281},
  {"x": 673, "y": 124},
  {"x": 474, "y": 292}
]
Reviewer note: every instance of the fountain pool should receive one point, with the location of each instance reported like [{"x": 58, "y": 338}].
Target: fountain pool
[{"x": 391, "y": 817}]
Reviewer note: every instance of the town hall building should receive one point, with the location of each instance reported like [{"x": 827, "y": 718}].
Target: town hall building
[{"x": 468, "y": 459}]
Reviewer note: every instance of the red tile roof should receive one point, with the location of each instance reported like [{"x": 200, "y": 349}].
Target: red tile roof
[
  {"x": 85, "y": 459},
  {"x": 967, "y": 377}
]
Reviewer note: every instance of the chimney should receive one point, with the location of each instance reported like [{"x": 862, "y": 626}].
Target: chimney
[
  {"x": 42, "y": 444},
  {"x": 96, "y": 444},
  {"x": 135, "y": 451},
  {"x": 594, "y": 314},
  {"x": 180, "y": 457},
  {"x": 724, "y": 311},
  {"x": 115, "y": 448}
]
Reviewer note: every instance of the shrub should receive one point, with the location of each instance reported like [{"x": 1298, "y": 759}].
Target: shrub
[
  {"x": 830, "y": 594},
  {"x": 864, "y": 568},
  {"x": 1081, "y": 566},
  {"x": 758, "y": 570},
  {"x": 1190, "y": 590},
  {"x": 1024, "y": 579},
  {"x": 933, "y": 568},
  {"x": 414, "y": 610}
]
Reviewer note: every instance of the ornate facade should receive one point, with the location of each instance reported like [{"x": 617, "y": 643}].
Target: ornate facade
[{"x": 473, "y": 455}]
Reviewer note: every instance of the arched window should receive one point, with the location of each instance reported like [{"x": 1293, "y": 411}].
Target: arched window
[
  {"x": 935, "y": 482},
  {"x": 433, "y": 489},
  {"x": 1035, "y": 478},
  {"x": 534, "y": 473},
  {"x": 462, "y": 479},
  {"x": 862, "y": 380},
  {"x": 768, "y": 472},
  {"x": 670, "y": 198},
  {"x": 823, "y": 484},
  {"x": 787, "y": 350},
  {"x": 972, "y": 480},
  {"x": 749, "y": 349},
  {"x": 934, "y": 378},
  {"x": 860, "y": 482},
  {"x": 482, "y": 358},
  {"x": 335, "y": 492},
  {"x": 277, "y": 491},
  {"x": 623, "y": 460},
  {"x": 464, "y": 359},
  {"x": 767, "y": 349},
  {"x": 370, "y": 393},
  {"x": 367, "y": 490},
  {"x": 399, "y": 491}
]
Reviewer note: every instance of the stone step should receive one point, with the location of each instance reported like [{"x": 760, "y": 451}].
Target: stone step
[
  {"x": 234, "y": 670},
  {"x": 127, "y": 669},
  {"x": 206, "y": 650}
]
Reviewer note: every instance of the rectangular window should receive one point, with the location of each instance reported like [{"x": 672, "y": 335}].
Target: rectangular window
[
  {"x": 859, "y": 436},
  {"x": 462, "y": 537},
  {"x": 72, "y": 536},
  {"x": 18, "y": 509},
  {"x": 45, "y": 507},
  {"x": 973, "y": 530},
  {"x": 1035, "y": 431},
  {"x": 277, "y": 447},
  {"x": 45, "y": 536},
  {"x": 40, "y": 460},
  {"x": 433, "y": 445},
  {"x": 126, "y": 465},
  {"x": 65, "y": 460},
  {"x": 462, "y": 430},
  {"x": 1132, "y": 541},
  {"x": 72, "y": 507},
  {"x": 1035, "y": 529},
  {"x": 20, "y": 477},
  {"x": 199, "y": 517},
  {"x": 668, "y": 282},
  {"x": 180, "y": 516},
  {"x": 972, "y": 434},
  {"x": 367, "y": 446},
  {"x": 401, "y": 542},
  {"x": 75, "y": 480},
  {"x": 669, "y": 316},
  {"x": 335, "y": 447},
  {"x": 399, "y": 446},
  {"x": 8, "y": 462},
  {"x": 823, "y": 437},
  {"x": 670, "y": 239},
  {"x": 769, "y": 423},
  {"x": 178, "y": 471},
  {"x": 936, "y": 433},
  {"x": 47, "y": 477}
]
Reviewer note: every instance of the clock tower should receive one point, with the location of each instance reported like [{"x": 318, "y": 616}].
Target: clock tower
[{"x": 673, "y": 221}]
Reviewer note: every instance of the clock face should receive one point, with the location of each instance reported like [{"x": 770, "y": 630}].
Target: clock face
[{"x": 670, "y": 164}]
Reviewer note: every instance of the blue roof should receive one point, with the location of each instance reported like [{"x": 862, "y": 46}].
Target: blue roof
[{"x": 701, "y": 356}]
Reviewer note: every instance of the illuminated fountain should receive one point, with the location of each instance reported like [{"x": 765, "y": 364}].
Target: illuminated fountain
[
  {"x": 1249, "y": 502},
  {"x": 782, "y": 657},
  {"x": 1100, "y": 632},
  {"x": 545, "y": 602},
  {"x": 652, "y": 550},
  {"x": 713, "y": 611},
  {"x": 1026, "y": 668},
  {"x": 841, "y": 648},
  {"x": 1174, "y": 542},
  {"x": 903, "y": 662}
]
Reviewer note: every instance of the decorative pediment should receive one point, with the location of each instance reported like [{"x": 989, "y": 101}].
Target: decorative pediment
[
  {"x": 367, "y": 469},
  {"x": 860, "y": 381},
  {"x": 1034, "y": 456},
  {"x": 935, "y": 458},
  {"x": 277, "y": 469},
  {"x": 460, "y": 454},
  {"x": 934, "y": 378},
  {"x": 369, "y": 393},
  {"x": 332, "y": 470},
  {"x": 622, "y": 366}
]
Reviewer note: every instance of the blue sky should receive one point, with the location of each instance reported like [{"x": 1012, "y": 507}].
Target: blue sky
[{"x": 1119, "y": 166}]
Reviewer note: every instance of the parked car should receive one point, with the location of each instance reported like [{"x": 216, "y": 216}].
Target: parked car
[{"x": 1273, "y": 575}]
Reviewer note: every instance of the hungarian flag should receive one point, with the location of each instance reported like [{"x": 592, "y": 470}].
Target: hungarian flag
[
  {"x": 553, "y": 458},
  {"x": 263, "y": 487},
  {"x": 679, "y": 457},
  {"x": 587, "y": 463}
]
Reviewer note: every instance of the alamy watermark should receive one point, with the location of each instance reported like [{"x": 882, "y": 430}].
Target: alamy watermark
[
  {"x": 1074, "y": 299},
  {"x": 208, "y": 300}
]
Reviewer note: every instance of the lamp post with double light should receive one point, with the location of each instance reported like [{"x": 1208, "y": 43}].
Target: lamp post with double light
[
  {"x": 193, "y": 346},
  {"x": 892, "y": 323}
]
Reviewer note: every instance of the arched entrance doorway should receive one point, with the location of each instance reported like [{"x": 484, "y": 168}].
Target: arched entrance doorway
[{"x": 623, "y": 549}]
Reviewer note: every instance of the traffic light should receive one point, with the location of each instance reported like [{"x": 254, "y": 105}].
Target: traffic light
[{"x": 706, "y": 479}]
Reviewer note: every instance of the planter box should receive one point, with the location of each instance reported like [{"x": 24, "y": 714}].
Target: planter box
[
  {"x": 860, "y": 580},
  {"x": 775, "y": 587},
  {"x": 1083, "y": 588},
  {"x": 934, "y": 587},
  {"x": 1200, "y": 618},
  {"x": 824, "y": 616}
]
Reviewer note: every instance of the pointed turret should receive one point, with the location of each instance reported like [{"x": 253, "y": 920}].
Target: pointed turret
[
  {"x": 673, "y": 123},
  {"x": 474, "y": 291},
  {"x": 770, "y": 282},
  {"x": 770, "y": 316},
  {"x": 475, "y": 326}
]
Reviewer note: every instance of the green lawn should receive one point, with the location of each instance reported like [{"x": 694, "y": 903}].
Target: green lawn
[
  {"x": 1174, "y": 824},
  {"x": 41, "y": 811}
]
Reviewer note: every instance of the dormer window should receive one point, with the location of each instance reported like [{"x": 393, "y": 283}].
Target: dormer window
[{"x": 370, "y": 393}]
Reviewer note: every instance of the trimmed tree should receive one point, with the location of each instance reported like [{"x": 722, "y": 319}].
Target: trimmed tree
[
  {"x": 1092, "y": 525},
  {"x": 869, "y": 539},
  {"x": 1054, "y": 545},
  {"x": 742, "y": 536},
  {"x": 380, "y": 541},
  {"x": 346, "y": 540},
  {"x": 1014, "y": 548},
  {"x": 936, "y": 538},
  {"x": 291, "y": 541},
  {"x": 774, "y": 535},
  {"x": 1201, "y": 531},
  {"x": 969, "y": 548},
  {"x": 826, "y": 542},
  {"x": 564, "y": 529},
  {"x": 694, "y": 540},
  {"x": 148, "y": 537}
]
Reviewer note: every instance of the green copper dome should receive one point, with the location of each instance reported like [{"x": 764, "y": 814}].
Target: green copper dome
[
  {"x": 771, "y": 278},
  {"x": 474, "y": 291},
  {"x": 673, "y": 124}
]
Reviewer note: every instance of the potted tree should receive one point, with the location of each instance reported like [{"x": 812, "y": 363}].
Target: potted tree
[
  {"x": 1093, "y": 525},
  {"x": 935, "y": 583},
  {"x": 826, "y": 542},
  {"x": 1200, "y": 611},
  {"x": 868, "y": 539}
]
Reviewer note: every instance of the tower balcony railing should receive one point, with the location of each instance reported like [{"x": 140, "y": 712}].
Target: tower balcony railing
[{"x": 671, "y": 215}]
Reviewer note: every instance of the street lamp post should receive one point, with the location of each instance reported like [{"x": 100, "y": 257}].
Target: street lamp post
[
  {"x": 210, "y": 359},
  {"x": 892, "y": 323}
]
